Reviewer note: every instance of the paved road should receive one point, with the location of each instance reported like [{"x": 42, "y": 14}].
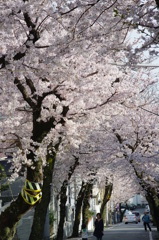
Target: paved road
[{"x": 129, "y": 231}]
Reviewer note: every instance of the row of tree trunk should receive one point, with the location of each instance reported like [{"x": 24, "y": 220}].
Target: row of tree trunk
[{"x": 82, "y": 207}]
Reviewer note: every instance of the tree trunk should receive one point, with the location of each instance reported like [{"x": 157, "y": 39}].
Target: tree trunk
[
  {"x": 78, "y": 208},
  {"x": 63, "y": 200},
  {"x": 153, "y": 200},
  {"x": 41, "y": 209},
  {"x": 11, "y": 216},
  {"x": 121, "y": 212},
  {"x": 107, "y": 194},
  {"x": 86, "y": 204},
  {"x": 151, "y": 196},
  {"x": 150, "y": 193}
]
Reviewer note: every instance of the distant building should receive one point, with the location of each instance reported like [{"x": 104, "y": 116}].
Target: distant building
[{"x": 138, "y": 199}]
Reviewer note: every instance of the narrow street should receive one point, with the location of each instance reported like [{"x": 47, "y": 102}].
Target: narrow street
[{"x": 129, "y": 231}]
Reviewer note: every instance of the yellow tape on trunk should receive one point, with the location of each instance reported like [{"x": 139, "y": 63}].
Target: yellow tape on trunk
[{"x": 31, "y": 192}]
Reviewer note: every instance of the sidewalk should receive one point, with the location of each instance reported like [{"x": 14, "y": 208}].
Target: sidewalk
[
  {"x": 79, "y": 238},
  {"x": 90, "y": 236}
]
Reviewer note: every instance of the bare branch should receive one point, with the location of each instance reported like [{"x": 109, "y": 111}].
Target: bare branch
[
  {"x": 118, "y": 136},
  {"x": 43, "y": 21},
  {"x": 71, "y": 10},
  {"x": 103, "y": 103},
  {"x": 90, "y": 74},
  {"x": 149, "y": 111},
  {"x": 105, "y": 9}
]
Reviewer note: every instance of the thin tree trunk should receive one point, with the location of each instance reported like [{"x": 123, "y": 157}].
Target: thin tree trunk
[
  {"x": 78, "y": 208},
  {"x": 153, "y": 200},
  {"x": 86, "y": 204},
  {"x": 121, "y": 212},
  {"x": 63, "y": 200},
  {"x": 107, "y": 194},
  {"x": 152, "y": 197}
]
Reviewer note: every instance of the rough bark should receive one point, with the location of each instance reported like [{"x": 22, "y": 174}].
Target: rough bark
[
  {"x": 152, "y": 197},
  {"x": 107, "y": 194},
  {"x": 11, "y": 216},
  {"x": 63, "y": 200},
  {"x": 153, "y": 200},
  {"x": 41, "y": 209},
  {"x": 121, "y": 212},
  {"x": 78, "y": 208},
  {"x": 86, "y": 204}
]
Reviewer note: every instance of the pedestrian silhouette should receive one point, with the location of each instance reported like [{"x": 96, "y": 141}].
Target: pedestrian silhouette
[
  {"x": 99, "y": 227},
  {"x": 146, "y": 221}
]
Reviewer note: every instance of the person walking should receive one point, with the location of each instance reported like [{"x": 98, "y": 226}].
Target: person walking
[
  {"x": 146, "y": 221},
  {"x": 84, "y": 232},
  {"x": 99, "y": 227}
]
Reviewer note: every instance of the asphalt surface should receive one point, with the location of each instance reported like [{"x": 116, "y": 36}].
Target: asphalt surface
[{"x": 129, "y": 231}]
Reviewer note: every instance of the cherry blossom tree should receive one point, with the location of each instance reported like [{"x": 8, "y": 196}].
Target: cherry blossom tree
[
  {"x": 139, "y": 146},
  {"x": 55, "y": 80}
]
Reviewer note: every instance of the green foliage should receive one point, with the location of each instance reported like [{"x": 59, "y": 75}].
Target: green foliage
[
  {"x": 115, "y": 12},
  {"x": 89, "y": 214},
  {"x": 51, "y": 217},
  {"x": 3, "y": 186},
  {"x": 2, "y": 172}
]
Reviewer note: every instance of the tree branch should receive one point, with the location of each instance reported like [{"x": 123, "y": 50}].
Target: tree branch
[
  {"x": 30, "y": 84},
  {"x": 72, "y": 9},
  {"x": 102, "y": 104},
  {"x": 24, "y": 93},
  {"x": 157, "y": 3},
  {"x": 149, "y": 111}
]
